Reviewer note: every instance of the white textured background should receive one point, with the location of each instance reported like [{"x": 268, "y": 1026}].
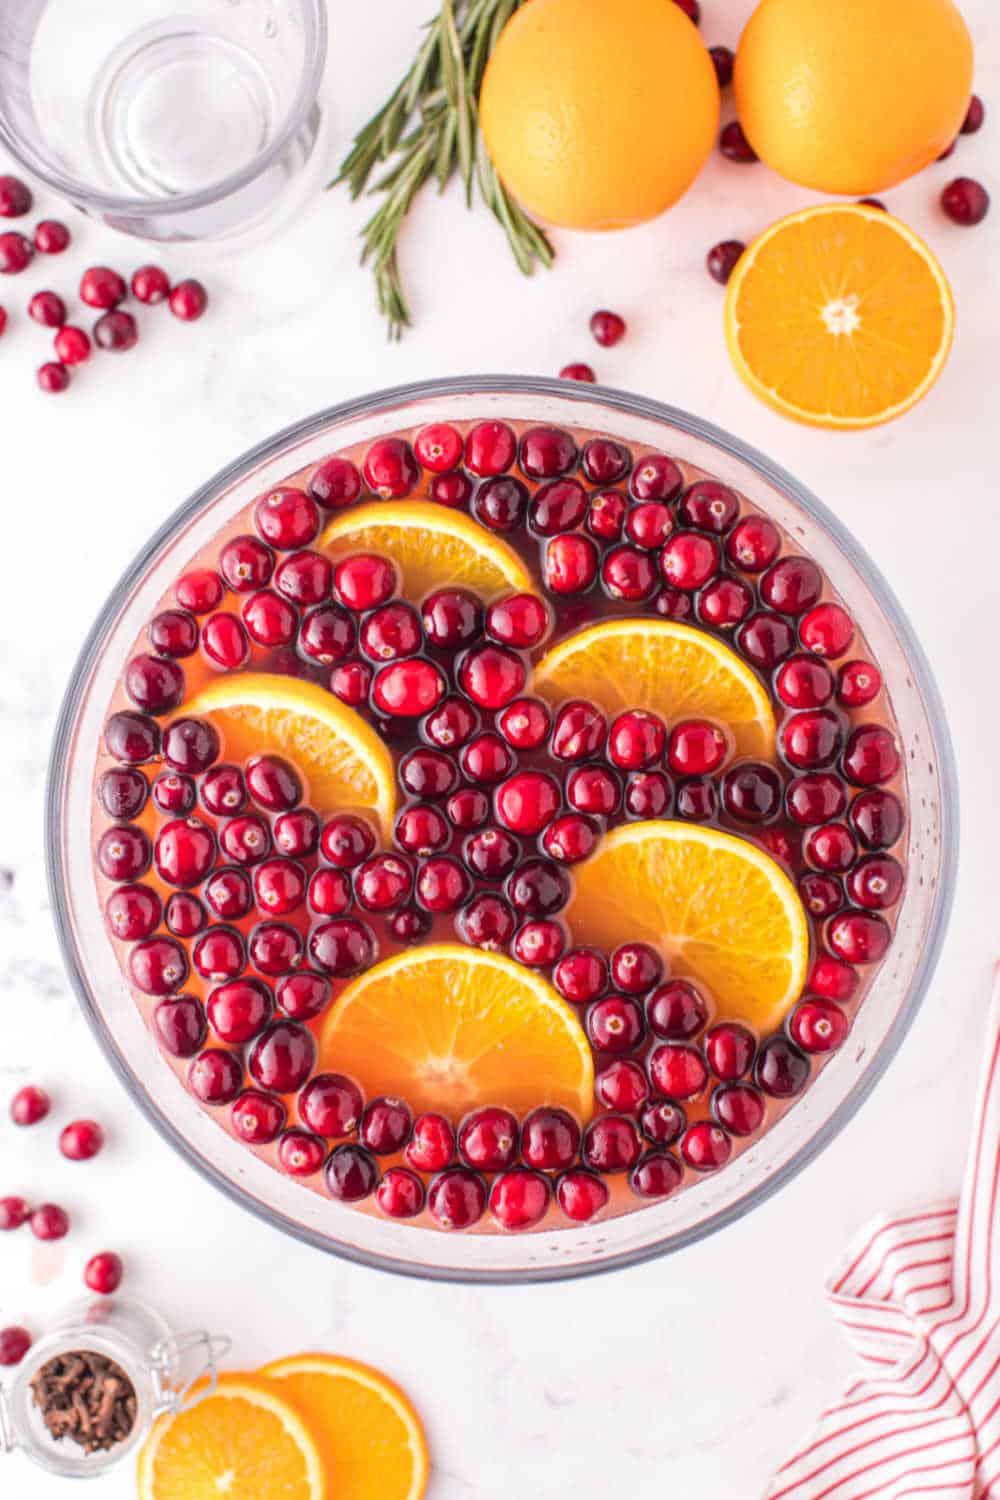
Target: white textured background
[{"x": 689, "y": 1376}]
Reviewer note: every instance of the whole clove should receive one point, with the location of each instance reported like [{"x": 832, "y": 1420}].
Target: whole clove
[{"x": 87, "y": 1398}]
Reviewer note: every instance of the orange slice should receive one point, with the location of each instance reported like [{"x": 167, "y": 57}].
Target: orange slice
[
  {"x": 720, "y": 909},
  {"x": 450, "y": 1028},
  {"x": 342, "y": 760},
  {"x": 431, "y": 545},
  {"x": 369, "y": 1435},
  {"x": 839, "y": 316},
  {"x": 243, "y": 1441},
  {"x": 669, "y": 669}
]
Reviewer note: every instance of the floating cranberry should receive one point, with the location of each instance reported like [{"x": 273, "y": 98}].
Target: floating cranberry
[
  {"x": 442, "y": 884},
  {"x": 696, "y": 748},
  {"x": 877, "y": 819},
  {"x": 611, "y": 1144},
  {"x": 570, "y": 564},
  {"x": 628, "y": 573},
  {"x": 570, "y": 838},
  {"x": 751, "y": 792},
  {"x": 390, "y": 468},
  {"x": 123, "y": 793},
  {"x": 581, "y": 975},
  {"x": 383, "y": 883},
  {"x": 525, "y": 723},
  {"x": 821, "y": 895},
  {"x": 224, "y": 641},
  {"x": 287, "y": 517},
  {"x": 335, "y": 483},
  {"x": 706, "y": 1147},
  {"x": 621, "y": 1086},
  {"x": 546, "y": 452},
  {"x": 51, "y": 237},
  {"x": 184, "y": 915},
  {"x": 180, "y": 1025},
  {"x": 300, "y": 1153},
  {"x": 754, "y": 544},
  {"x": 858, "y": 682},
  {"x": 451, "y": 724},
  {"x": 269, "y": 619},
  {"x": 734, "y": 145},
  {"x": 302, "y": 996},
  {"x": 830, "y": 847},
  {"x": 781, "y": 1070},
  {"x": 155, "y": 684},
  {"x": 49, "y": 1222},
  {"x": 219, "y": 954},
  {"x": 538, "y": 888},
  {"x": 123, "y": 853},
  {"x": 452, "y": 618},
  {"x": 13, "y": 1213},
  {"x": 697, "y": 800},
  {"x": 304, "y": 577},
  {"x": 519, "y": 1199},
  {"x": 173, "y": 632},
  {"x": 388, "y": 633},
  {"x": 608, "y": 328},
  {"x": 487, "y": 759},
  {"x": 490, "y": 449},
  {"x": 488, "y": 1139},
  {"x": 689, "y": 559},
  {"x": 350, "y": 1174},
  {"x": 486, "y": 922},
  {"x": 407, "y": 689},
  {"x": 615, "y": 1024},
  {"x": 859, "y": 937},
  {"x": 385, "y": 1126},
  {"x": 812, "y": 739},
  {"x": 872, "y": 756},
  {"x": 678, "y": 1071},
  {"x": 528, "y": 801},
  {"x": 456, "y": 1199},
  {"x": 133, "y": 912},
  {"x": 730, "y": 1049},
  {"x": 400, "y": 1194},
  {"x": 581, "y": 1195},
  {"x": 184, "y": 852},
  {"x": 826, "y": 630},
  {"x": 282, "y": 1057},
  {"x": 343, "y": 947},
  {"x": 331, "y": 1105},
  {"x": 965, "y": 201},
  {"x": 421, "y": 830},
  {"x": 492, "y": 676},
  {"x": 188, "y": 300},
  {"x": 500, "y": 503},
  {"x": 722, "y": 259},
  {"x": 47, "y": 308},
  {"x": 351, "y": 682},
  {"x": 636, "y": 967},
  {"x": 438, "y": 447},
  {"x": 72, "y": 345},
  {"x": 258, "y": 1118},
  {"x": 605, "y": 462},
  {"x": 832, "y": 979},
  {"x": 606, "y": 515},
  {"x": 656, "y": 1175},
  {"x": 738, "y": 1107},
  {"x": 29, "y": 1105},
  {"x": 428, "y": 773},
  {"x": 875, "y": 883},
  {"x": 818, "y": 1026},
  {"x": 14, "y": 1343},
  {"x": 199, "y": 591},
  {"x": 432, "y": 1143},
  {"x": 52, "y": 378},
  {"x": 16, "y": 253}
]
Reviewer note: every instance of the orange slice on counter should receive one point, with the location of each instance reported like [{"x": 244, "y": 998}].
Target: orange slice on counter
[
  {"x": 719, "y": 908},
  {"x": 839, "y": 316},
  {"x": 431, "y": 546},
  {"x": 342, "y": 760},
  {"x": 665, "y": 667},
  {"x": 242, "y": 1440},
  {"x": 369, "y": 1434},
  {"x": 451, "y": 1028}
]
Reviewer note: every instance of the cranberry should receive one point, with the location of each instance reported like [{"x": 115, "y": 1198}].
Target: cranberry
[
  {"x": 13, "y": 1213},
  {"x": 304, "y": 577},
  {"x": 792, "y": 586},
  {"x": 528, "y": 801},
  {"x": 615, "y": 1024},
  {"x": 538, "y": 888},
  {"x": 487, "y": 759},
  {"x": 490, "y": 449},
  {"x": 258, "y": 1118},
  {"x": 246, "y": 564},
  {"x": 335, "y": 483},
  {"x": 456, "y": 1199},
  {"x": 302, "y": 996},
  {"x": 647, "y": 525},
  {"x": 628, "y": 573},
  {"x": 14, "y": 1344},
  {"x": 133, "y": 912},
  {"x": 428, "y": 773},
  {"x": 185, "y": 852},
  {"x": 815, "y": 798},
  {"x": 581, "y": 1195},
  {"x": 781, "y": 1070},
  {"x": 49, "y": 1222},
  {"x": 730, "y": 1050},
  {"x": 818, "y": 1026},
  {"x": 442, "y": 884},
  {"x": 606, "y": 515},
  {"x": 123, "y": 853},
  {"x": 347, "y": 841},
  {"x": 400, "y": 1194},
  {"x": 421, "y": 830},
  {"x": 689, "y": 559},
  {"x": 269, "y": 619},
  {"x": 351, "y": 682},
  {"x": 608, "y": 328},
  {"x": 123, "y": 793},
  {"x": 676, "y": 1011},
  {"x": 547, "y": 452},
  {"x": 830, "y": 847},
  {"x": 656, "y": 1175},
  {"x": 706, "y": 1147},
  {"x": 329, "y": 892},
  {"x": 438, "y": 447},
  {"x": 287, "y": 517},
  {"x": 500, "y": 504},
  {"x": 223, "y": 790},
  {"x": 520, "y": 620},
  {"x": 180, "y": 1025},
  {"x": 451, "y": 489},
  {"x": 150, "y": 285},
  {"x": 52, "y": 378},
  {"x": 492, "y": 676},
  {"x": 16, "y": 253},
  {"x": 592, "y": 789},
  {"x": 407, "y": 689},
  {"x": 487, "y": 922},
  {"x": 648, "y": 795},
  {"x": 611, "y": 1144},
  {"x": 812, "y": 739},
  {"x": 116, "y": 331},
  {"x": 51, "y": 237},
  {"x": 282, "y": 1057},
  {"x": 738, "y": 1107},
  {"x": 199, "y": 591},
  {"x": 826, "y": 630},
  {"x": 581, "y": 975},
  {"x": 722, "y": 259},
  {"x": 754, "y": 544},
  {"x": 570, "y": 564},
  {"x": 390, "y": 468},
  {"x": 350, "y": 1174},
  {"x": 451, "y": 618},
  {"x": 579, "y": 732},
  {"x": 390, "y": 633},
  {"x": 875, "y": 883},
  {"x": 621, "y": 1086},
  {"x": 273, "y": 783},
  {"x": 331, "y": 1105},
  {"x": 734, "y": 145},
  {"x": 383, "y": 883},
  {"x": 871, "y": 756},
  {"x": 29, "y": 1105},
  {"x": 696, "y": 800},
  {"x": 525, "y": 723},
  {"x": 276, "y": 947},
  {"x": 451, "y": 724},
  {"x": 821, "y": 895},
  {"x": 300, "y": 1153},
  {"x": 47, "y": 308},
  {"x": 188, "y": 300},
  {"x": 343, "y": 947},
  {"x": 219, "y": 954},
  {"x": 859, "y": 937},
  {"x": 696, "y": 748},
  {"x": 709, "y": 506},
  {"x": 279, "y": 886},
  {"x": 550, "y": 1139},
  {"x": 174, "y": 792},
  {"x": 974, "y": 116},
  {"x": 184, "y": 915},
  {"x": 432, "y": 1143},
  {"x": 385, "y": 1126},
  {"x": 751, "y": 793},
  {"x": 570, "y": 838},
  {"x": 765, "y": 639},
  {"x": 154, "y": 683},
  {"x": 72, "y": 346},
  {"x": 877, "y": 818},
  {"x": 965, "y": 201},
  {"x": 491, "y": 854},
  {"x": 677, "y": 1070},
  {"x": 488, "y": 1139},
  {"x": 722, "y": 60},
  {"x": 558, "y": 506},
  {"x": 519, "y": 1199},
  {"x": 174, "y": 632},
  {"x": 858, "y": 682},
  {"x": 16, "y": 198},
  {"x": 224, "y": 642},
  {"x": 636, "y": 967},
  {"x": 604, "y": 461},
  {"x": 662, "y": 1121},
  {"x": 832, "y": 979}
]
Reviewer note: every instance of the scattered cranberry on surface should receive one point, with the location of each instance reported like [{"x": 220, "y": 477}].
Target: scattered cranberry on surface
[
  {"x": 691, "y": 9},
  {"x": 15, "y": 198},
  {"x": 16, "y": 253},
  {"x": 102, "y": 287},
  {"x": 578, "y": 371},
  {"x": 608, "y": 328},
  {"x": 47, "y": 308},
  {"x": 965, "y": 201},
  {"x": 188, "y": 300},
  {"x": 53, "y": 378},
  {"x": 49, "y": 1222},
  {"x": 722, "y": 60},
  {"x": 14, "y": 1345},
  {"x": 81, "y": 1140},
  {"x": 974, "y": 116},
  {"x": 29, "y": 1105},
  {"x": 116, "y": 331},
  {"x": 151, "y": 285},
  {"x": 14, "y": 1212},
  {"x": 721, "y": 259},
  {"x": 734, "y": 145},
  {"x": 51, "y": 237},
  {"x": 103, "y": 1273}
]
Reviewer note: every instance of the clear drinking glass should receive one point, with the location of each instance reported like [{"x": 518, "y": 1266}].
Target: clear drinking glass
[{"x": 169, "y": 119}]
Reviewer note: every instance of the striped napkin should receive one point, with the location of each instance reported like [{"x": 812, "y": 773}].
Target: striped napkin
[{"x": 918, "y": 1297}]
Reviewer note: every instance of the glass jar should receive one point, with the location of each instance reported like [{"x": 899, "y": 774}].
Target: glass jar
[{"x": 163, "y": 1367}]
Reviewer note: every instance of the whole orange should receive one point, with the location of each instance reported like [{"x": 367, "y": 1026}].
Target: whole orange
[
  {"x": 852, "y": 96},
  {"x": 599, "y": 113}
]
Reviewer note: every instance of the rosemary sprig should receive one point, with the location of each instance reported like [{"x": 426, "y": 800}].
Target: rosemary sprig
[{"x": 429, "y": 128}]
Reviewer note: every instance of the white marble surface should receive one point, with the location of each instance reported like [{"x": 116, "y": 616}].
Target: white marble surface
[{"x": 692, "y": 1375}]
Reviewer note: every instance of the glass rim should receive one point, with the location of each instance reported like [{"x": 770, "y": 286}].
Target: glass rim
[
  {"x": 82, "y": 194},
  {"x": 616, "y": 400}
]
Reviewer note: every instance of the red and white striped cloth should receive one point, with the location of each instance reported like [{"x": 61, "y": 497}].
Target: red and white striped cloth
[{"x": 917, "y": 1297}]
